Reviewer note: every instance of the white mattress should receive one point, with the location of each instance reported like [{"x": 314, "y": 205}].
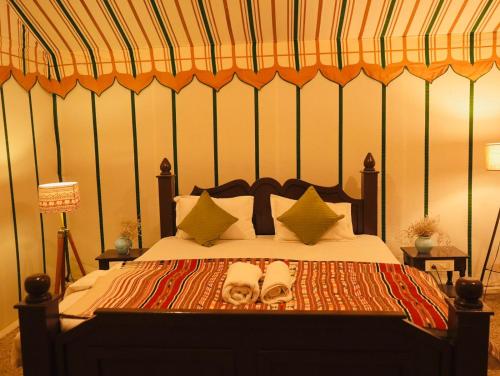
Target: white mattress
[{"x": 365, "y": 248}]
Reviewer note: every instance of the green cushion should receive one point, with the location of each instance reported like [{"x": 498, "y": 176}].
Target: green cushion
[
  {"x": 310, "y": 217},
  {"x": 206, "y": 221}
]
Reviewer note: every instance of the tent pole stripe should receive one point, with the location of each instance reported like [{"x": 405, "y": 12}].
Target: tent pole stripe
[
  {"x": 384, "y": 30},
  {"x": 255, "y": 90},
  {"x": 341, "y": 135},
  {"x": 97, "y": 170},
  {"x": 12, "y": 199},
  {"x": 469, "y": 176},
  {"x": 167, "y": 38},
  {"x": 297, "y": 117},
  {"x": 428, "y": 31},
  {"x": 37, "y": 176},
  {"x": 426, "y": 152},
  {"x": 474, "y": 28},
  {"x": 339, "y": 33},
  {"x": 383, "y": 168},
  {"x": 214, "y": 92},
  {"x": 297, "y": 88},
  {"x": 24, "y": 49},
  {"x": 174, "y": 139},
  {"x": 39, "y": 37},
  {"x": 136, "y": 168}
]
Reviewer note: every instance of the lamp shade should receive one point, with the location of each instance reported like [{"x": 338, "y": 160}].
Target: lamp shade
[
  {"x": 58, "y": 197},
  {"x": 493, "y": 156}
]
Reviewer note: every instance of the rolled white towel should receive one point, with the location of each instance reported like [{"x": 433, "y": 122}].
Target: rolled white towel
[
  {"x": 242, "y": 283},
  {"x": 277, "y": 286}
]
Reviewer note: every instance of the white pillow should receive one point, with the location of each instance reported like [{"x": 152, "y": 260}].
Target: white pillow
[
  {"x": 339, "y": 231},
  {"x": 240, "y": 207}
]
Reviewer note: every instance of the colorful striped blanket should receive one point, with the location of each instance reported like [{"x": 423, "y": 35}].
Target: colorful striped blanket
[{"x": 319, "y": 285}]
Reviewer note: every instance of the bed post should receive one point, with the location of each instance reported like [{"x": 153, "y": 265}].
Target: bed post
[
  {"x": 39, "y": 325},
  {"x": 469, "y": 328},
  {"x": 369, "y": 184},
  {"x": 166, "y": 199}
]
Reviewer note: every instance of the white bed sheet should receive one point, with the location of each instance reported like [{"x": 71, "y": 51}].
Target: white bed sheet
[{"x": 365, "y": 248}]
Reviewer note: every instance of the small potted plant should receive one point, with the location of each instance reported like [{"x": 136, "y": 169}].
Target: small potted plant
[
  {"x": 129, "y": 230},
  {"x": 422, "y": 231}
]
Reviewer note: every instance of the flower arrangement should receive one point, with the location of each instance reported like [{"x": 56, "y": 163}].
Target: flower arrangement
[
  {"x": 130, "y": 229},
  {"x": 425, "y": 228}
]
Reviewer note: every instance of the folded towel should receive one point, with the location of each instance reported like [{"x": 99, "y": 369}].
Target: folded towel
[
  {"x": 277, "y": 286},
  {"x": 242, "y": 283}
]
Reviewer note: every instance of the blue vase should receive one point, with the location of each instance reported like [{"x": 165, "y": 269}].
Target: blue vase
[
  {"x": 424, "y": 244},
  {"x": 123, "y": 245}
]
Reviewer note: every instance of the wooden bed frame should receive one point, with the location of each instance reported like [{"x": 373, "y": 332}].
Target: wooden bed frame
[{"x": 245, "y": 343}]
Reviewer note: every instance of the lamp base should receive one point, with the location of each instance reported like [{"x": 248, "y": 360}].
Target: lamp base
[{"x": 64, "y": 235}]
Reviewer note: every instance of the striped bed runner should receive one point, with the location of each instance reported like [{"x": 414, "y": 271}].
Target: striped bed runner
[{"x": 319, "y": 286}]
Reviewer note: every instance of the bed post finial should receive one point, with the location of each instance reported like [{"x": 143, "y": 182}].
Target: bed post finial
[
  {"x": 165, "y": 167},
  {"x": 369, "y": 190},
  {"x": 166, "y": 193},
  {"x": 39, "y": 325}
]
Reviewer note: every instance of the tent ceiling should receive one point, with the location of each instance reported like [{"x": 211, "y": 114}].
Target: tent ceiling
[{"x": 58, "y": 42}]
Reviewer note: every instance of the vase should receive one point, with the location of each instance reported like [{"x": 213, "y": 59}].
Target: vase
[
  {"x": 123, "y": 245},
  {"x": 424, "y": 244}
]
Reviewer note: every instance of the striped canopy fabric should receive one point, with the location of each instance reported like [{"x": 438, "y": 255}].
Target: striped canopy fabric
[{"x": 94, "y": 42}]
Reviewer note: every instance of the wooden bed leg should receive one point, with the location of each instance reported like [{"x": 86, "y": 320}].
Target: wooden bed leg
[
  {"x": 166, "y": 192},
  {"x": 39, "y": 325},
  {"x": 369, "y": 184},
  {"x": 469, "y": 327}
]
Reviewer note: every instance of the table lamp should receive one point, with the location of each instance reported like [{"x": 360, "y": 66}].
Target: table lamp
[
  {"x": 492, "y": 164},
  {"x": 61, "y": 198}
]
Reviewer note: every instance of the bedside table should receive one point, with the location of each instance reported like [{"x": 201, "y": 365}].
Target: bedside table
[
  {"x": 111, "y": 255},
  {"x": 445, "y": 259}
]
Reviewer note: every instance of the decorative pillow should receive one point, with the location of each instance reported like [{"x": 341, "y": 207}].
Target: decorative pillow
[
  {"x": 207, "y": 221},
  {"x": 240, "y": 207},
  {"x": 310, "y": 217},
  {"x": 341, "y": 230}
]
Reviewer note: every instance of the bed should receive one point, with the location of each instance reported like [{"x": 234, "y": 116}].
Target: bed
[{"x": 254, "y": 341}]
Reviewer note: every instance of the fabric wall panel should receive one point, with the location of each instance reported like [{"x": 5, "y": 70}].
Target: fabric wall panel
[
  {"x": 114, "y": 119},
  {"x": 319, "y": 131},
  {"x": 278, "y": 130},
  {"x": 76, "y": 134},
  {"x": 236, "y": 132},
  {"x": 154, "y": 133},
  {"x": 449, "y": 114},
  {"x": 362, "y": 129},
  {"x": 486, "y": 184},
  {"x": 24, "y": 178},
  {"x": 195, "y": 137},
  {"x": 47, "y": 166},
  {"x": 8, "y": 266},
  {"x": 405, "y": 156}
]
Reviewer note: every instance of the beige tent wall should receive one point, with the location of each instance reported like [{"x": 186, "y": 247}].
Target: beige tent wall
[{"x": 279, "y": 129}]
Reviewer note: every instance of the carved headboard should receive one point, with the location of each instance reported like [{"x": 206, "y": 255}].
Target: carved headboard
[{"x": 364, "y": 210}]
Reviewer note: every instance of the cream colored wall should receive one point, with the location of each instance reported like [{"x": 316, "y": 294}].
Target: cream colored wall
[{"x": 362, "y": 130}]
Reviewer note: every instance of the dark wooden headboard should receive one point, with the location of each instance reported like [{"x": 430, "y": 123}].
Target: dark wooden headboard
[{"x": 364, "y": 210}]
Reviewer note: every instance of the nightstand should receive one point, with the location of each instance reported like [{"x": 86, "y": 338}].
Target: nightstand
[
  {"x": 111, "y": 255},
  {"x": 444, "y": 259}
]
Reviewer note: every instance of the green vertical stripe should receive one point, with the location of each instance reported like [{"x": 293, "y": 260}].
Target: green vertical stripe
[
  {"x": 39, "y": 37},
  {"x": 469, "y": 175},
  {"x": 12, "y": 200},
  {"x": 296, "y": 33},
  {"x": 97, "y": 170},
  {"x": 136, "y": 167},
  {"x": 56, "y": 136},
  {"x": 339, "y": 33},
  {"x": 297, "y": 119},
  {"x": 216, "y": 145},
  {"x": 214, "y": 92},
  {"x": 174, "y": 140},
  {"x": 24, "y": 49},
  {"x": 255, "y": 90},
  {"x": 384, "y": 31},
  {"x": 35, "y": 154},
  {"x": 341, "y": 135},
  {"x": 428, "y": 31},
  {"x": 426, "y": 152},
  {"x": 123, "y": 35},
  {"x": 472, "y": 32},
  {"x": 383, "y": 168}
]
